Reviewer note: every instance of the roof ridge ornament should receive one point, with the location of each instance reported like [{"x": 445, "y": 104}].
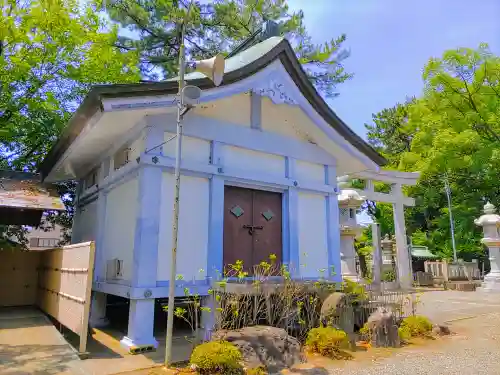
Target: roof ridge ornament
[
  {"x": 268, "y": 30},
  {"x": 275, "y": 91},
  {"x": 489, "y": 208}
]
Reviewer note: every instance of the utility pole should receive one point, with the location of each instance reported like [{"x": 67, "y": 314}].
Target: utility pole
[
  {"x": 452, "y": 223},
  {"x": 175, "y": 221},
  {"x": 188, "y": 97}
]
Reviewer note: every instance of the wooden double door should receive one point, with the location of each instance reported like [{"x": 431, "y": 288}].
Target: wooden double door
[{"x": 252, "y": 226}]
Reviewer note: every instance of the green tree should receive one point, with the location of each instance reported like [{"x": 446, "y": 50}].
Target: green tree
[
  {"x": 51, "y": 52},
  {"x": 454, "y": 130},
  {"x": 154, "y": 30},
  {"x": 364, "y": 249},
  {"x": 456, "y": 137},
  {"x": 389, "y": 133}
]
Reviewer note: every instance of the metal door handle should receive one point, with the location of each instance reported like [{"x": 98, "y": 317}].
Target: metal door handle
[{"x": 251, "y": 228}]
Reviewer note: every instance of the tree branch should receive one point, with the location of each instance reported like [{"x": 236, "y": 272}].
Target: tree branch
[
  {"x": 137, "y": 21},
  {"x": 123, "y": 47},
  {"x": 490, "y": 133},
  {"x": 204, "y": 50}
]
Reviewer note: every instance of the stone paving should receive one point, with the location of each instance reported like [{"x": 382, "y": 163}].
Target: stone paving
[
  {"x": 30, "y": 344},
  {"x": 442, "y": 306}
]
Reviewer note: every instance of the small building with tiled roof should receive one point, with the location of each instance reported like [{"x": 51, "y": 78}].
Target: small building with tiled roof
[{"x": 260, "y": 159}]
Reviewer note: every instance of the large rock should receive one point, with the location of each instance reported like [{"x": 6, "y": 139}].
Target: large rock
[
  {"x": 441, "y": 330},
  {"x": 383, "y": 328},
  {"x": 332, "y": 307},
  {"x": 264, "y": 346}
]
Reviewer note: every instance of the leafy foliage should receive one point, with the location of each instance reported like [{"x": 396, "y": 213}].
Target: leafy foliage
[
  {"x": 214, "y": 27},
  {"x": 414, "y": 326},
  {"x": 256, "y": 371},
  {"x": 51, "y": 52},
  {"x": 389, "y": 133},
  {"x": 388, "y": 275},
  {"x": 13, "y": 238},
  {"x": 364, "y": 249},
  {"x": 356, "y": 291},
  {"x": 217, "y": 357},
  {"x": 328, "y": 342},
  {"x": 450, "y": 132}
]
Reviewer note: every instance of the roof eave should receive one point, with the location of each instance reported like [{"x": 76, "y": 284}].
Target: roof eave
[
  {"x": 300, "y": 78},
  {"x": 282, "y": 50}
]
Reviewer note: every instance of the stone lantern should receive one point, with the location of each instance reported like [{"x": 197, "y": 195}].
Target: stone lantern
[
  {"x": 490, "y": 222},
  {"x": 349, "y": 202},
  {"x": 387, "y": 254}
]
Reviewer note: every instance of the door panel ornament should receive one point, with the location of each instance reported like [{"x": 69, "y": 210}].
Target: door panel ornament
[
  {"x": 268, "y": 214},
  {"x": 237, "y": 211}
]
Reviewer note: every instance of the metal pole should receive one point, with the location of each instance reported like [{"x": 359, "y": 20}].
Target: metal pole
[
  {"x": 175, "y": 221},
  {"x": 452, "y": 223}
]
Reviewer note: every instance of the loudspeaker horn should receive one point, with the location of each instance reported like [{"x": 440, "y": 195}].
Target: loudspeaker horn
[{"x": 213, "y": 68}]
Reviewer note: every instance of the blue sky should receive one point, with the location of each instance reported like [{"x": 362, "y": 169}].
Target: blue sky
[{"x": 391, "y": 41}]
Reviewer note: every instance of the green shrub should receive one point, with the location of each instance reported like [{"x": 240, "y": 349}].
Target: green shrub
[
  {"x": 414, "y": 326},
  {"x": 256, "y": 371},
  {"x": 354, "y": 290},
  {"x": 217, "y": 357},
  {"x": 404, "y": 333},
  {"x": 388, "y": 276},
  {"x": 365, "y": 332},
  {"x": 327, "y": 341}
]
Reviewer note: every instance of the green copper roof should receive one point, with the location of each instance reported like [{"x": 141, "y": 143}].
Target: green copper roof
[
  {"x": 238, "y": 67},
  {"x": 242, "y": 59},
  {"x": 421, "y": 252}
]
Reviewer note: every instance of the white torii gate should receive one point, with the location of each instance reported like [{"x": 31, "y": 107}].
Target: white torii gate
[{"x": 399, "y": 201}]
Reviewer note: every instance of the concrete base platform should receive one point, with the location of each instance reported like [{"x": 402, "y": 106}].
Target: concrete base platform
[
  {"x": 30, "y": 344},
  {"x": 463, "y": 286},
  {"x": 491, "y": 283},
  {"x": 108, "y": 356}
]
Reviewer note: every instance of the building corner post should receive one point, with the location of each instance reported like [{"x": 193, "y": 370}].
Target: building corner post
[
  {"x": 333, "y": 225},
  {"x": 145, "y": 256}
]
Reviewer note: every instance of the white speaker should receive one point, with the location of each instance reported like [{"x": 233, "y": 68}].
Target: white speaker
[
  {"x": 213, "y": 68},
  {"x": 191, "y": 95}
]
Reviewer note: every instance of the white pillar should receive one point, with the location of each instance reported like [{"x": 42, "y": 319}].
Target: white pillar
[
  {"x": 377, "y": 254},
  {"x": 405, "y": 277},
  {"x": 208, "y": 317},
  {"x": 490, "y": 222},
  {"x": 140, "y": 325},
  {"x": 333, "y": 226},
  {"x": 146, "y": 242},
  {"x": 100, "y": 256},
  {"x": 98, "y": 310},
  {"x": 348, "y": 256},
  {"x": 349, "y": 202}
]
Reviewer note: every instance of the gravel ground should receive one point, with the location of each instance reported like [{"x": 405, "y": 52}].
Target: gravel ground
[{"x": 473, "y": 349}]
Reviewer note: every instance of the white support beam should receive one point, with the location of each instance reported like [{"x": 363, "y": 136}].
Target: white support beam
[
  {"x": 391, "y": 177},
  {"x": 405, "y": 276},
  {"x": 369, "y": 186},
  {"x": 245, "y": 137},
  {"x": 234, "y": 174},
  {"x": 385, "y": 198}
]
